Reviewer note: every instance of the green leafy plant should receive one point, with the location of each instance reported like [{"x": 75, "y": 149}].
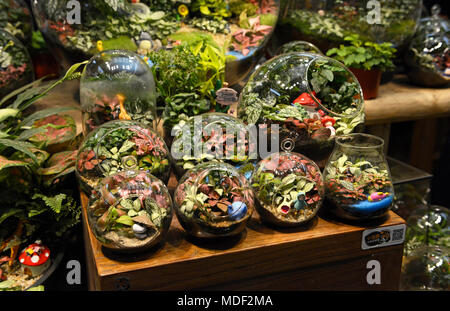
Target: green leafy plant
[
  {"x": 364, "y": 55},
  {"x": 213, "y": 8}
]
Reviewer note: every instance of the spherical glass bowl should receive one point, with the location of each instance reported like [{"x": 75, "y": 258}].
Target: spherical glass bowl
[
  {"x": 288, "y": 188},
  {"x": 117, "y": 85},
  {"x": 130, "y": 211},
  {"x": 118, "y": 146},
  {"x": 213, "y": 200}
]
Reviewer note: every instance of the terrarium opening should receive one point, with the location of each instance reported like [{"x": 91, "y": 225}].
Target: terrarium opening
[{"x": 360, "y": 141}]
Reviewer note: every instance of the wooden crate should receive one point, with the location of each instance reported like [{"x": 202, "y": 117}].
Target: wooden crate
[{"x": 327, "y": 255}]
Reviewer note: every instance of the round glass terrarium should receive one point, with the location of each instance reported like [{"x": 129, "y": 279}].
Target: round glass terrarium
[
  {"x": 304, "y": 101},
  {"x": 117, "y": 85},
  {"x": 288, "y": 188},
  {"x": 16, "y": 68},
  {"x": 118, "y": 146},
  {"x": 212, "y": 137},
  {"x": 298, "y": 46},
  {"x": 150, "y": 25},
  {"x": 130, "y": 211},
  {"x": 426, "y": 268},
  {"x": 358, "y": 184},
  {"x": 428, "y": 225},
  {"x": 326, "y": 23},
  {"x": 213, "y": 200},
  {"x": 428, "y": 58},
  {"x": 16, "y": 19}
]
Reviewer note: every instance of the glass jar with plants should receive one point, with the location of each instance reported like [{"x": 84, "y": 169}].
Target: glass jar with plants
[
  {"x": 298, "y": 46},
  {"x": 367, "y": 60},
  {"x": 16, "y": 68},
  {"x": 213, "y": 200},
  {"x": 428, "y": 57},
  {"x": 326, "y": 23},
  {"x": 121, "y": 145},
  {"x": 212, "y": 137},
  {"x": 305, "y": 100},
  {"x": 130, "y": 211},
  {"x": 358, "y": 184},
  {"x": 117, "y": 85},
  {"x": 288, "y": 188}
]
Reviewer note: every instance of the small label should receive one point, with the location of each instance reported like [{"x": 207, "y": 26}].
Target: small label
[{"x": 385, "y": 236}]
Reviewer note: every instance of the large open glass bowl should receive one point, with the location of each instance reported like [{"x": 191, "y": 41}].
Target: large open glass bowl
[
  {"x": 130, "y": 211},
  {"x": 150, "y": 25},
  {"x": 302, "y": 101},
  {"x": 213, "y": 200}
]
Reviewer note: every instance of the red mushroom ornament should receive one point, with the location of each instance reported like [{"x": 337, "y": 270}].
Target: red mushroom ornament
[
  {"x": 308, "y": 103},
  {"x": 35, "y": 259},
  {"x": 329, "y": 122}
]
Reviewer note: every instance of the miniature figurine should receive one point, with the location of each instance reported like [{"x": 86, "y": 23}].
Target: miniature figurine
[{"x": 35, "y": 259}]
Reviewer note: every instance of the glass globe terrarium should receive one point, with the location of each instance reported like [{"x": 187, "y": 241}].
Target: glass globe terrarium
[
  {"x": 213, "y": 200},
  {"x": 118, "y": 146},
  {"x": 130, "y": 211},
  {"x": 298, "y": 46},
  {"x": 327, "y": 22},
  {"x": 212, "y": 137},
  {"x": 15, "y": 17},
  {"x": 150, "y": 25},
  {"x": 304, "y": 101},
  {"x": 16, "y": 68},
  {"x": 428, "y": 58},
  {"x": 288, "y": 188},
  {"x": 358, "y": 184},
  {"x": 117, "y": 85}
]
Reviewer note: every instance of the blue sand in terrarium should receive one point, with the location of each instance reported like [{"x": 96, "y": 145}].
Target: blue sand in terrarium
[
  {"x": 239, "y": 55},
  {"x": 369, "y": 207}
]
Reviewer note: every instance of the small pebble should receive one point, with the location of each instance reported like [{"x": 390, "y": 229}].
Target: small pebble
[
  {"x": 140, "y": 236},
  {"x": 138, "y": 229}
]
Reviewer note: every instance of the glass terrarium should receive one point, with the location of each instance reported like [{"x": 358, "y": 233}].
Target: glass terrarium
[
  {"x": 149, "y": 25},
  {"x": 130, "y": 211},
  {"x": 428, "y": 225},
  {"x": 428, "y": 58},
  {"x": 358, "y": 183},
  {"x": 212, "y": 137},
  {"x": 213, "y": 200},
  {"x": 298, "y": 46},
  {"x": 117, "y": 85},
  {"x": 304, "y": 101},
  {"x": 327, "y": 22},
  {"x": 426, "y": 268},
  {"x": 288, "y": 188},
  {"x": 16, "y": 68},
  {"x": 15, "y": 17},
  {"x": 118, "y": 146}
]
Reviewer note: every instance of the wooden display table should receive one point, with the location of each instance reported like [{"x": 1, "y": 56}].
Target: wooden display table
[{"x": 326, "y": 255}]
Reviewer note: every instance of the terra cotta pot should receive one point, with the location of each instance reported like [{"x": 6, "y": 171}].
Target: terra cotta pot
[{"x": 369, "y": 80}]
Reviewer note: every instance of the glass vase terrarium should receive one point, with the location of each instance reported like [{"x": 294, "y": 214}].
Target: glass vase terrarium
[
  {"x": 118, "y": 146},
  {"x": 212, "y": 137},
  {"x": 130, "y": 211},
  {"x": 117, "y": 85},
  {"x": 358, "y": 184},
  {"x": 16, "y": 68},
  {"x": 288, "y": 188},
  {"x": 327, "y": 22},
  {"x": 213, "y": 200},
  {"x": 304, "y": 101},
  {"x": 428, "y": 58},
  {"x": 150, "y": 25}
]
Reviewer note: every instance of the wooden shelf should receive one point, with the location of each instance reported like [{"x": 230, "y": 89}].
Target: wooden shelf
[{"x": 326, "y": 255}]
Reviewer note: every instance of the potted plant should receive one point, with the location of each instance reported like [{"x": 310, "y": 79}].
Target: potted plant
[{"x": 367, "y": 60}]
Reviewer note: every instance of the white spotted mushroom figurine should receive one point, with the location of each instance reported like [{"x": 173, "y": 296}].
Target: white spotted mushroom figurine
[{"x": 35, "y": 259}]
